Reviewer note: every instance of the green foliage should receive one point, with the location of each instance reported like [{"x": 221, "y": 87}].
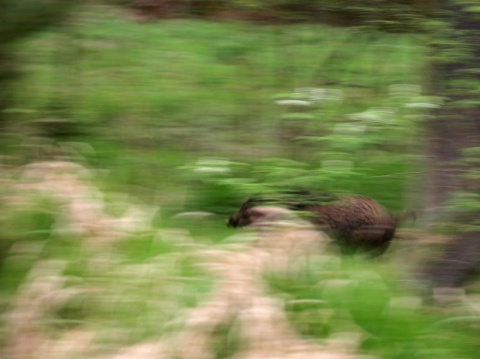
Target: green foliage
[
  {"x": 31, "y": 222},
  {"x": 342, "y": 160},
  {"x": 26, "y": 229},
  {"x": 250, "y": 59},
  {"x": 324, "y": 296}
]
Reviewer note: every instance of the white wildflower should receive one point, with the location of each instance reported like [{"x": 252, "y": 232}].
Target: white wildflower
[
  {"x": 212, "y": 165},
  {"x": 299, "y": 103},
  {"x": 424, "y": 105}
]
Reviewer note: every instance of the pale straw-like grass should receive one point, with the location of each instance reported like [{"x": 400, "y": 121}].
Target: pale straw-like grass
[
  {"x": 42, "y": 292},
  {"x": 82, "y": 204}
]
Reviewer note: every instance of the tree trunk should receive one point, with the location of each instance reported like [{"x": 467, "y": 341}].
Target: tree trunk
[
  {"x": 453, "y": 128},
  {"x": 456, "y": 125}
]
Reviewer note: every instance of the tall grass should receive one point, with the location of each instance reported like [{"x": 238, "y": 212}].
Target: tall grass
[{"x": 108, "y": 70}]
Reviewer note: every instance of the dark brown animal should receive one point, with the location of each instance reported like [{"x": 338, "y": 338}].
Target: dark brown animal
[{"x": 357, "y": 224}]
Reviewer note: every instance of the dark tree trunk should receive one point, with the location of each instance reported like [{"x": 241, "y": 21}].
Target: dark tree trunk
[
  {"x": 453, "y": 128},
  {"x": 456, "y": 125},
  {"x": 460, "y": 260}
]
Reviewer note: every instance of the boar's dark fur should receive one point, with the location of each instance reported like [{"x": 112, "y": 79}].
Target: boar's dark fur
[{"x": 357, "y": 224}]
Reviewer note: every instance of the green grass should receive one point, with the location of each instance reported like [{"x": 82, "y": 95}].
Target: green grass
[
  {"x": 113, "y": 71},
  {"x": 327, "y": 297}
]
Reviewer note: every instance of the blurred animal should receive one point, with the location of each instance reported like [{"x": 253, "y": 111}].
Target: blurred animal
[
  {"x": 294, "y": 200},
  {"x": 356, "y": 223},
  {"x": 262, "y": 216}
]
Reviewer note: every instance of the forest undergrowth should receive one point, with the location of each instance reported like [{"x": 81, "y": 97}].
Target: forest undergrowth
[{"x": 281, "y": 290}]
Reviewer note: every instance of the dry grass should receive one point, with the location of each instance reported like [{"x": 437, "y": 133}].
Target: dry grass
[
  {"x": 41, "y": 293},
  {"x": 82, "y": 205}
]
